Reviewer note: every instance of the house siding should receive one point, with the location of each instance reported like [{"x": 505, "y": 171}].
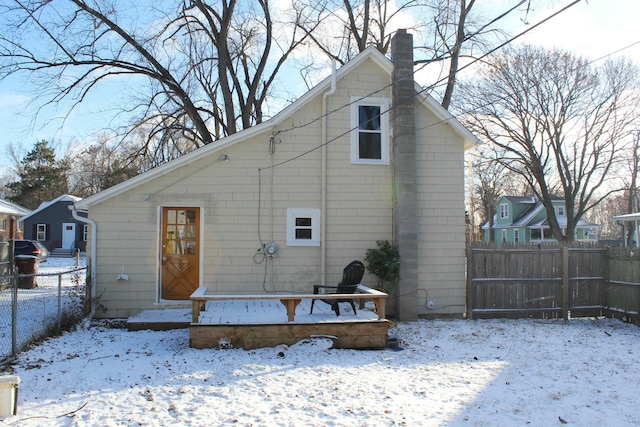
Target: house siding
[
  {"x": 441, "y": 219},
  {"x": 252, "y": 192}
]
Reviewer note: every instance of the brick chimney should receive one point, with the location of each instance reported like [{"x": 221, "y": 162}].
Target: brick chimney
[{"x": 405, "y": 209}]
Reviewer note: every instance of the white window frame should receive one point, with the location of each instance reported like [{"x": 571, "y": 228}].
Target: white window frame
[
  {"x": 560, "y": 211},
  {"x": 504, "y": 210},
  {"x": 85, "y": 232},
  {"x": 3, "y": 224},
  {"x": 516, "y": 235},
  {"x": 504, "y": 236},
  {"x": 41, "y": 231},
  {"x": 299, "y": 213},
  {"x": 383, "y": 104}
]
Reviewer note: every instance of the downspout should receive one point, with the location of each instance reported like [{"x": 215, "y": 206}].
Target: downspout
[
  {"x": 94, "y": 251},
  {"x": 323, "y": 179}
]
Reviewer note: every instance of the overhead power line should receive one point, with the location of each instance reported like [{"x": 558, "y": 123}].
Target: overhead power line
[{"x": 427, "y": 88}]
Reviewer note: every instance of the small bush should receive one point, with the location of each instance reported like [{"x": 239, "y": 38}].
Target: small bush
[{"x": 384, "y": 263}]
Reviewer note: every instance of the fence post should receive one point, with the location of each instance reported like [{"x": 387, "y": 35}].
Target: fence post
[
  {"x": 565, "y": 283},
  {"x": 59, "y": 303},
  {"x": 14, "y": 313},
  {"x": 470, "y": 301}
]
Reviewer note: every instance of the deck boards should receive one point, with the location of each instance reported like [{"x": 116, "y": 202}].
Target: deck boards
[{"x": 260, "y": 312}]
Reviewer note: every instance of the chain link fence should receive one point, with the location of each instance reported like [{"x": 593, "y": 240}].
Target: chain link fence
[{"x": 35, "y": 306}]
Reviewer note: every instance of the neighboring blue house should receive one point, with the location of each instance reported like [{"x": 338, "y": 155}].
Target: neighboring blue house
[
  {"x": 53, "y": 225},
  {"x": 524, "y": 220}
]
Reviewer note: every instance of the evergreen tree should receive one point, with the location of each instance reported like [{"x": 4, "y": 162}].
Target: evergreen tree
[{"x": 41, "y": 177}]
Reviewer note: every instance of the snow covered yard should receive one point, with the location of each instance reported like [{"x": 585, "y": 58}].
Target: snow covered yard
[{"x": 448, "y": 373}]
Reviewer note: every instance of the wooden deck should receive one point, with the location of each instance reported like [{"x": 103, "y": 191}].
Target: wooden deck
[{"x": 253, "y": 321}]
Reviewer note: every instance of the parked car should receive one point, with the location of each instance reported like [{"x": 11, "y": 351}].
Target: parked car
[{"x": 30, "y": 247}]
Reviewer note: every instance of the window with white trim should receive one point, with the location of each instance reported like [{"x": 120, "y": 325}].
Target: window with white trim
[
  {"x": 3, "y": 224},
  {"x": 559, "y": 210},
  {"x": 370, "y": 131},
  {"x": 516, "y": 235},
  {"x": 41, "y": 232},
  {"x": 303, "y": 227},
  {"x": 85, "y": 232},
  {"x": 504, "y": 210},
  {"x": 504, "y": 235}
]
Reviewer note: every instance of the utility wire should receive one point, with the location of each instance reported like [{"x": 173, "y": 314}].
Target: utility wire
[
  {"x": 423, "y": 62},
  {"x": 427, "y": 88}
]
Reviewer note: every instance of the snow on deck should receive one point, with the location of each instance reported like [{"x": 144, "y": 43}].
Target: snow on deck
[
  {"x": 255, "y": 312},
  {"x": 264, "y": 312}
]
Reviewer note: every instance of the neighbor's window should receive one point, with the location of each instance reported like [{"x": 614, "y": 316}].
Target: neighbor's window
[
  {"x": 41, "y": 232},
  {"x": 3, "y": 224},
  {"x": 85, "y": 232},
  {"x": 504, "y": 235},
  {"x": 536, "y": 234},
  {"x": 303, "y": 227},
  {"x": 370, "y": 131},
  {"x": 559, "y": 210},
  {"x": 504, "y": 210},
  {"x": 516, "y": 235}
]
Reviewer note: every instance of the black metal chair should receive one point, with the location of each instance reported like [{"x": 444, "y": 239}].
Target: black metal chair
[{"x": 351, "y": 278}]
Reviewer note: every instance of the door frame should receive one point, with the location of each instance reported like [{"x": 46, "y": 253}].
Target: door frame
[{"x": 159, "y": 300}]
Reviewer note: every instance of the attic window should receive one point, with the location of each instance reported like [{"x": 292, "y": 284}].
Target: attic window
[
  {"x": 504, "y": 210},
  {"x": 370, "y": 131},
  {"x": 303, "y": 227}
]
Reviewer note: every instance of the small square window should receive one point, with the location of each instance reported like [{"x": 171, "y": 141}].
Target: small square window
[{"x": 303, "y": 227}]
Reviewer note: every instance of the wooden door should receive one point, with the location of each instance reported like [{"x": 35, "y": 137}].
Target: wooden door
[{"x": 180, "y": 252}]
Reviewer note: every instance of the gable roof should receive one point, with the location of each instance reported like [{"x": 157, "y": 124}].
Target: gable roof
[
  {"x": 525, "y": 218},
  {"x": 45, "y": 205},
  {"x": 371, "y": 52},
  {"x": 6, "y": 207}
]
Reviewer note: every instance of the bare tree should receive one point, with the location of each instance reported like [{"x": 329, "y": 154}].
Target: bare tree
[
  {"x": 490, "y": 180},
  {"x": 100, "y": 166},
  {"x": 560, "y": 120},
  {"x": 201, "y": 70},
  {"x": 446, "y": 29}
]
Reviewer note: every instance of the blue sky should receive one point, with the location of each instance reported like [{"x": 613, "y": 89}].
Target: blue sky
[{"x": 592, "y": 28}]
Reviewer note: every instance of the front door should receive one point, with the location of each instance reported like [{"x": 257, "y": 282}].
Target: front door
[
  {"x": 68, "y": 235},
  {"x": 180, "y": 252}
]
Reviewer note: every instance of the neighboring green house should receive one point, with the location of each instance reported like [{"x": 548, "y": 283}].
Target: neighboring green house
[{"x": 524, "y": 220}]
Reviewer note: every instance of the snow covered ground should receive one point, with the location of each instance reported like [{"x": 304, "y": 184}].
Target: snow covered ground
[
  {"x": 448, "y": 373},
  {"x": 444, "y": 373}
]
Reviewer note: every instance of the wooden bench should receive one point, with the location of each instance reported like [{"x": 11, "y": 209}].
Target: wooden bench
[{"x": 200, "y": 297}]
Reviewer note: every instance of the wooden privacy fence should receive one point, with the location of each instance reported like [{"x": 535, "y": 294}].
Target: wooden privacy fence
[{"x": 553, "y": 282}]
